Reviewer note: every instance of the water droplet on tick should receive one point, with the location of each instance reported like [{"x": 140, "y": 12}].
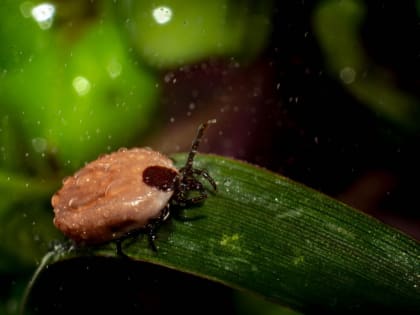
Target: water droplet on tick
[{"x": 72, "y": 203}]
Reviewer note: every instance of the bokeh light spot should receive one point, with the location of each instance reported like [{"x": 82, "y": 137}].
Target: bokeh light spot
[{"x": 162, "y": 14}]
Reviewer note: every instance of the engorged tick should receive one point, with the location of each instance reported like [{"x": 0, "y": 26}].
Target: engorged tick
[{"x": 127, "y": 191}]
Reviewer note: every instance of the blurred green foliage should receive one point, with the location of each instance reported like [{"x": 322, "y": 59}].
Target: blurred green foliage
[
  {"x": 338, "y": 29},
  {"x": 181, "y": 32},
  {"x": 72, "y": 87},
  {"x": 67, "y": 95}
]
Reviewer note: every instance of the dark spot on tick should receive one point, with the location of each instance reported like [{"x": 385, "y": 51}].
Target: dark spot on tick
[{"x": 160, "y": 177}]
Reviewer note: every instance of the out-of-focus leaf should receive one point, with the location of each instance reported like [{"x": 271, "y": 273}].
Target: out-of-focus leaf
[
  {"x": 70, "y": 95},
  {"x": 338, "y": 28},
  {"x": 181, "y": 32}
]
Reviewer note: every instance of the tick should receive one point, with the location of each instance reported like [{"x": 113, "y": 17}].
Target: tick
[{"x": 126, "y": 192}]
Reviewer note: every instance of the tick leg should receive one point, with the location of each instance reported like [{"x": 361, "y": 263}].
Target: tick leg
[
  {"x": 151, "y": 233},
  {"x": 183, "y": 201},
  {"x": 120, "y": 252},
  {"x": 197, "y": 199},
  {"x": 153, "y": 224},
  {"x": 152, "y": 237},
  {"x": 189, "y": 165},
  {"x": 207, "y": 176}
]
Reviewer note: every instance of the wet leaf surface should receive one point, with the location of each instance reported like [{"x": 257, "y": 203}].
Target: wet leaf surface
[{"x": 268, "y": 235}]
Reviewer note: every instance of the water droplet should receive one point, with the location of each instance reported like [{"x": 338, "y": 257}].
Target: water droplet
[
  {"x": 81, "y": 85},
  {"x": 44, "y": 15},
  {"x": 168, "y": 77},
  {"x": 162, "y": 14},
  {"x": 72, "y": 203},
  {"x": 114, "y": 69},
  {"x": 347, "y": 75}
]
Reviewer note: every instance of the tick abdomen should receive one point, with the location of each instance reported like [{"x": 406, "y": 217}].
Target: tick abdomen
[{"x": 108, "y": 197}]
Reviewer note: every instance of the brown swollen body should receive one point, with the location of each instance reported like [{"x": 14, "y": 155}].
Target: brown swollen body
[{"x": 109, "y": 197}]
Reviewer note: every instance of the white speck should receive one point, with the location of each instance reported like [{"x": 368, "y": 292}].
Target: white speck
[
  {"x": 162, "y": 14},
  {"x": 168, "y": 77},
  {"x": 43, "y": 14},
  {"x": 347, "y": 75},
  {"x": 81, "y": 85},
  {"x": 288, "y": 214}
]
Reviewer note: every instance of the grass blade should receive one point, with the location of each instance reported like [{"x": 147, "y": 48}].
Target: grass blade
[{"x": 266, "y": 234}]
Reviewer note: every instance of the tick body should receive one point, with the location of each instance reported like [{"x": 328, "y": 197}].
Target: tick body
[{"x": 125, "y": 191}]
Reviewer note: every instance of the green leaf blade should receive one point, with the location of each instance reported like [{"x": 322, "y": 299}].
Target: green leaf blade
[{"x": 265, "y": 234}]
